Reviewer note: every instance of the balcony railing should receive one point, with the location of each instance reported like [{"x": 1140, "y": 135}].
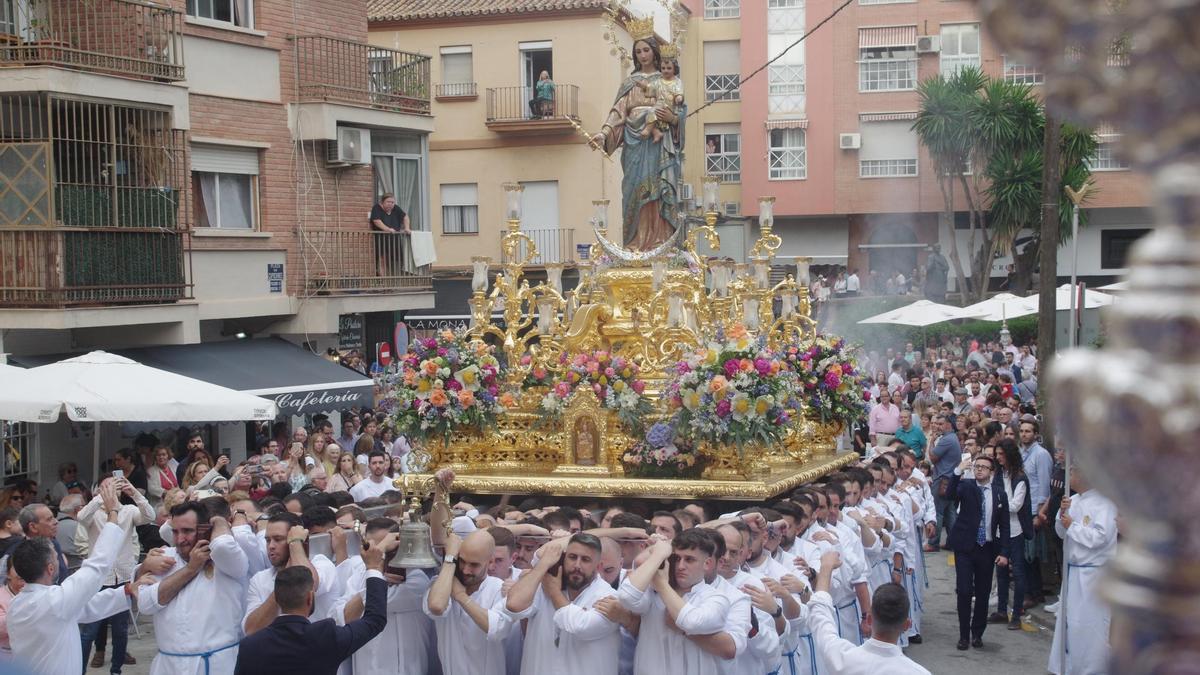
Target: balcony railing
[
  {"x": 520, "y": 104},
  {"x": 60, "y": 267},
  {"x": 92, "y": 201},
  {"x": 360, "y": 74},
  {"x": 131, "y": 38},
  {"x": 360, "y": 261},
  {"x": 456, "y": 90},
  {"x": 554, "y": 245}
]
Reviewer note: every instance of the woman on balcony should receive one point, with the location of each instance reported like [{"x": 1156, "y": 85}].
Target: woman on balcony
[
  {"x": 389, "y": 220},
  {"x": 545, "y": 95}
]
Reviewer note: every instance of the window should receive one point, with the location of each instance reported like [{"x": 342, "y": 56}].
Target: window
[
  {"x": 722, "y": 63},
  {"x": 883, "y": 2},
  {"x": 237, "y": 12},
  {"x": 960, "y": 47},
  {"x": 1107, "y": 158},
  {"x": 225, "y": 185},
  {"x": 722, "y": 9},
  {"x": 723, "y": 152},
  {"x": 889, "y": 149},
  {"x": 1020, "y": 73},
  {"x": 787, "y": 157},
  {"x": 8, "y": 17},
  {"x": 458, "y": 77},
  {"x": 786, "y": 77},
  {"x": 785, "y": 16},
  {"x": 887, "y": 68},
  {"x": 460, "y": 208},
  {"x": 18, "y": 456},
  {"x": 1115, "y": 245}
]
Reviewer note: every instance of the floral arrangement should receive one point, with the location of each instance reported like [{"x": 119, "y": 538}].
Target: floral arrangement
[
  {"x": 536, "y": 375},
  {"x": 830, "y": 382},
  {"x": 613, "y": 379},
  {"x": 736, "y": 390},
  {"x": 444, "y": 384},
  {"x": 662, "y": 454}
]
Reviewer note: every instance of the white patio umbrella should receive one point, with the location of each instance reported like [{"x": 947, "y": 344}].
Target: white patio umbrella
[
  {"x": 922, "y": 313},
  {"x": 1119, "y": 286},
  {"x": 102, "y": 387},
  {"x": 1062, "y": 300},
  {"x": 1000, "y": 307}
]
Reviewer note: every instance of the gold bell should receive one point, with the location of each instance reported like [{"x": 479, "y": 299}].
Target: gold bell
[{"x": 416, "y": 547}]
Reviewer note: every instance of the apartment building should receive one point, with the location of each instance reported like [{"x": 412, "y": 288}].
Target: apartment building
[
  {"x": 188, "y": 175},
  {"x": 486, "y": 59},
  {"x": 826, "y": 129}
]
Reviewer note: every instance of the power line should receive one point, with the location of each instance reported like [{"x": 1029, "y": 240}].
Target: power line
[{"x": 778, "y": 56}]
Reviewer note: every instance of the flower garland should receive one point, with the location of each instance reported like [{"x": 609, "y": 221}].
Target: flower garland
[
  {"x": 830, "y": 381},
  {"x": 735, "y": 391},
  {"x": 444, "y": 384},
  {"x": 613, "y": 379},
  {"x": 662, "y": 454}
]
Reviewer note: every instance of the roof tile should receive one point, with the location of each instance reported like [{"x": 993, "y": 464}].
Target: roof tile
[{"x": 409, "y": 10}]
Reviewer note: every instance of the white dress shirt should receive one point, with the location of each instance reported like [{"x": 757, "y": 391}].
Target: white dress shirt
[
  {"x": 662, "y": 650},
  {"x": 328, "y": 590},
  {"x": 576, "y": 634},
  {"x": 846, "y": 658},
  {"x": 42, "y": 619},
  {"x": 368, "y": 488},
  {"x": 462, "y": 647},
  {"x": 761, "y": 652},
  {"x": 205, "y": 617},
  {"x": 129, "y": 516},
  {"x": 407, "y": 644}
]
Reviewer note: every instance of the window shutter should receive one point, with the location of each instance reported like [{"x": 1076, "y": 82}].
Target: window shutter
[
  {"x": 722, "y": 57},
  {"x": 224, "y": 159},
  {"x": 888, "y": 140},
  {"x": 456, "y": 68},
  {"x": 460, "y": 194}
]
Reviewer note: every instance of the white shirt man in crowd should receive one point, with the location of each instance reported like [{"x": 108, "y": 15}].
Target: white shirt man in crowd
[
  {"x": 1087, "y": 524},
  {"x": 888, "y": 621},
  {"x": 683, "y": 618},
  {"x": 557, "y": 598},
  {"x": 286, "y": 539},
  {"x": 197, "y": 603},
  {"x": 43, "y": 616},
  {"x": 468, "y": 609},
  {"x": 748, "y": 596},
  {"x": 407, "y": 645},
  {"x": 377, "y": 482}
]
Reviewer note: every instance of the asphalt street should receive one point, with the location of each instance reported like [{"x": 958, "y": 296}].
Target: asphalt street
[{"x": 1004, "y": 651}]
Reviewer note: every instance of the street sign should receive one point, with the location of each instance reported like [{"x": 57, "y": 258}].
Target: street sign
[
  {"x": 275, "y": 277},
  {"x": 350, "y": 331},
  {"x": 385, "y": 354}
]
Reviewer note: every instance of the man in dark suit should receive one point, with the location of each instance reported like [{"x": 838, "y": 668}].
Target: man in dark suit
[
  {"x": 981, "y": 525},
  {"x": 292, "y": 645}
]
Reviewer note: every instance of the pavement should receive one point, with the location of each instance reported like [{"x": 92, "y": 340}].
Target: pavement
[{"x": 1004, "y": 651}]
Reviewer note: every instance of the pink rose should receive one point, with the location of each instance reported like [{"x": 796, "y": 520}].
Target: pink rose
[
  {"x": 597, "y": 389},
  {"x": 639, "y": 386},
  {"x": 723, "y": 408},
  {"x": 763, "y": 366},
  {"x": 731, "y": 368}
]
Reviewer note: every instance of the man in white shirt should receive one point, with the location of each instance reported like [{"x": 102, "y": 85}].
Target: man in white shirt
[
  {"x": 683, "y": 618},
  {"x": 92, "y": 519},
  {"x": 407, "y": 645},
  {"x": 467, "y": 608},
  {"x": 557, "y": 599},
  {"x": 1087, "y": 524},
  {"x": 888, "y": 619},
  {"x": 286, "y": 539},
  {"x": 852, "y": 283},
  {"x": 760, "y": 640},
  {"x": 197, "y": 604},
  {"x": 42, "y": 618},
  {"x": 377, "y": 481}
]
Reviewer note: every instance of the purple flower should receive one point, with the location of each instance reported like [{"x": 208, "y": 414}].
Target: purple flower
[
  {"x": 731, "y": 368},
  {"x": 660, "y": 435},
  {"x": 723, "y": 408},
  {"x": 763, "y": 366}
]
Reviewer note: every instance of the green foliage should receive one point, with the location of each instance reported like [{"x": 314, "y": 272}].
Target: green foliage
[
  {"x": 91, "y": 206},
  {"x": 127, "y": 266}
]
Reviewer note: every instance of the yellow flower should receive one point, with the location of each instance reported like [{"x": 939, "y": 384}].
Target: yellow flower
[{"x": 618, "y": 386}]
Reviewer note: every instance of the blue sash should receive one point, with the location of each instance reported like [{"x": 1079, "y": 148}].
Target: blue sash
[{"x": 204, "y": 655}]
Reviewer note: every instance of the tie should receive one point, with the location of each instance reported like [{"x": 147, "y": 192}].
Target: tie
[{"x": 981, "y": 535}]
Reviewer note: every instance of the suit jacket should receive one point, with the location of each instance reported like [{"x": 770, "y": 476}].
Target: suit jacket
[
  {"x": 970, "y": 511},
  {"x": 293, "y": 645}
]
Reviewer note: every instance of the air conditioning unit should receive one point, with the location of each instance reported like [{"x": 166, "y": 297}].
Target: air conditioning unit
[
  {"x": 733, "y": 209},
  {"x": 685, "y": 191},
  {"x": 929, "y": 44},
  {"x": 353, "y": 146},
  {"x": 849, "y": 141}
]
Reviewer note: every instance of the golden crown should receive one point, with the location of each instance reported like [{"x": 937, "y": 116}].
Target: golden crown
[
  {"x": 640, "y": 29},
  {"x": 668, "y": 51}
]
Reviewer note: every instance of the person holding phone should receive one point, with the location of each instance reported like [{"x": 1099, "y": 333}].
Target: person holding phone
[{"x": 559, "y": 598}]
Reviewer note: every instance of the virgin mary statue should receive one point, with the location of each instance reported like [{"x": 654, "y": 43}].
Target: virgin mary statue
[{"x": 646, "y": 121}]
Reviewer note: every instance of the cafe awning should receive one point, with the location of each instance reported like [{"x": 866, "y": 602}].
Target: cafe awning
[{"x": 298, "y": 381}]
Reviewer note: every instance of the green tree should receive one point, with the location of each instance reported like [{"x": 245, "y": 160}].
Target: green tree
[{"x": 986, "y": 138}]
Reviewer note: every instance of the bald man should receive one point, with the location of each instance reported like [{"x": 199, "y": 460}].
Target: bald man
[{"x": 467, "y": 608}]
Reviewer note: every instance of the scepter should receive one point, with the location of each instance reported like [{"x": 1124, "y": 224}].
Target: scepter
[{"x": 584, "y": 132}]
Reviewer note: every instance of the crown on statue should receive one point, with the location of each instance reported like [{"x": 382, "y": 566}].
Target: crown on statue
[
  {"x": 640, "y": 29},
  {"x": 668, "y": 51}
]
